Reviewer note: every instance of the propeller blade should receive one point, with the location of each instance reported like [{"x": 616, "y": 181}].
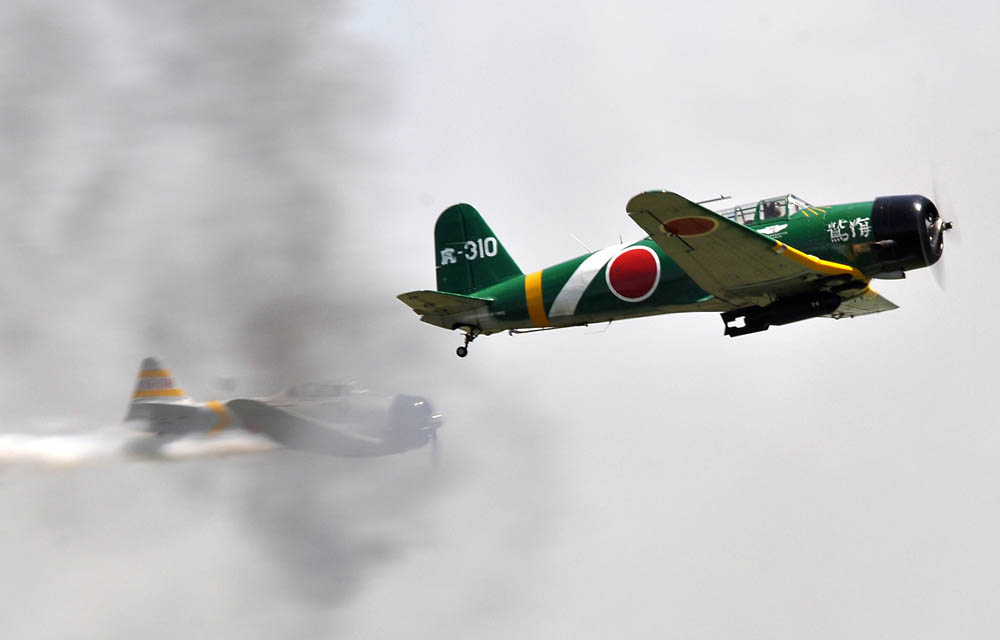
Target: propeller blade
[
  {"x": 940, "y": 274},
  {"x": 945, "y": 209},
  {"x": 944, "y": 225},
  {"x": 435, "y": 451}
]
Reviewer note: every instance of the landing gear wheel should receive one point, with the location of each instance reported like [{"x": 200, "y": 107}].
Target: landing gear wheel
[{"x": 470, "y": 335}]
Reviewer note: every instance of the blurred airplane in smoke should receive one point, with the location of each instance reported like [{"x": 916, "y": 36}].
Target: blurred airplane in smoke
[{"x": 336, "y": 419}]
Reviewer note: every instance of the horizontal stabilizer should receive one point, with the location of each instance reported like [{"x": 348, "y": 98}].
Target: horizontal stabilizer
[{"x": 437, "y": 303}]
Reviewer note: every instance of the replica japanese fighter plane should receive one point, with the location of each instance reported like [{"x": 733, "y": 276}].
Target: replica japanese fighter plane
[
  {"x": 771, "y": 262},
  {"x": 320, "y": 417}
]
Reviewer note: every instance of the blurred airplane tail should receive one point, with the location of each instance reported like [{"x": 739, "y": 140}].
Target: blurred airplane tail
[
  {"x": 154, "y": 384},
  {"x": 468, "y": 255}
]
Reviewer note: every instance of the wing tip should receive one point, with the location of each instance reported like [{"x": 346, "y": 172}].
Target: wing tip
[{"x": 637, "y": 202}]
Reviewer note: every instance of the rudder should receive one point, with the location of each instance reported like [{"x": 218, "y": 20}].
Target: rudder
[{"x": 468, "y": 255}]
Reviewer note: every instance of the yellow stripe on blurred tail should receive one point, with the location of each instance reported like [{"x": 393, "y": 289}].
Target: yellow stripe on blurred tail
[{"x": 155, "y": 381}]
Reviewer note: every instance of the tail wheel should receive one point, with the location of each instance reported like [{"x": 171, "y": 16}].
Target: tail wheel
[{"x": 462, "y": 352}]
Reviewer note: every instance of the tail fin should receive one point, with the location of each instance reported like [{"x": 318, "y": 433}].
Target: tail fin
[
  {"x": 469, "y": 257},
  {"x": 154, "y": 384}
]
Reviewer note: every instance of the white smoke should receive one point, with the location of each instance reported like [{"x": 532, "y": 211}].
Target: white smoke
[{"x": 116, "y": 445}]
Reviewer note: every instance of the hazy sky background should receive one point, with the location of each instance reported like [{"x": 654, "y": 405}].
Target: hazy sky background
[{"x": 242, "y": 188}]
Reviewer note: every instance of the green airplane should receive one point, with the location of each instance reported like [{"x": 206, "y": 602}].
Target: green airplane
[{"x": 770, "y": 262}]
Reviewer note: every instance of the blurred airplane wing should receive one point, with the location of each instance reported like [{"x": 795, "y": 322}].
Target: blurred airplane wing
[{"x": 297, "y": 431}]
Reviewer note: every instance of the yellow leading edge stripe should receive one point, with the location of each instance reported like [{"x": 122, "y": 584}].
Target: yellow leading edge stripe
[
  {"x": 533, "y": 296},
  {"x": 816, "y": 264}
]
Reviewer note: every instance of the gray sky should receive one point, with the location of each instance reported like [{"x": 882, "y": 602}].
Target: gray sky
[{"x": 243, "y": 190}]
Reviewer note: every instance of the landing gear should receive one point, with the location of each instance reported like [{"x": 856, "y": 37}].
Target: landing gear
[{"x": 470, "y": 335}]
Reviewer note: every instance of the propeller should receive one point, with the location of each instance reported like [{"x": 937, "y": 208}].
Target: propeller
[
  {"x": 938, "y": 227},
  {"x": 433, "y": 440},
  {"x": 435, "y": 450}
]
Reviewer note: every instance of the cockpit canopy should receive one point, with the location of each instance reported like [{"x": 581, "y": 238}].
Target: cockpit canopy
[
  {"x": 766, "y": 209},
  {"x": 320, "y": 390}
]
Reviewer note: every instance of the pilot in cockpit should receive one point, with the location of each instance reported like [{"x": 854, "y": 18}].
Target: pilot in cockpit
[{"x": 770, "y": 210}]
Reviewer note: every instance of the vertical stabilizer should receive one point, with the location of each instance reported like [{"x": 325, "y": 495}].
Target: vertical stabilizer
[
  {"x": 154, "y": 385},
  {"x": 468, "y": 255}
]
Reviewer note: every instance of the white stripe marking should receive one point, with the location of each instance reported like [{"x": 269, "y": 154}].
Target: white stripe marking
[{"x": 567, "y": 300}]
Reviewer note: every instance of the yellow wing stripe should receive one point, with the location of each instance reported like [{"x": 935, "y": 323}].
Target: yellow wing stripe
[
  {"x": 220, "y": 410},
  {"x": 816, "y": 264},
  {"x": 533, "y": 296},
  {"x": 154, "y": 373},
  {"x": 158, "y": 393}
]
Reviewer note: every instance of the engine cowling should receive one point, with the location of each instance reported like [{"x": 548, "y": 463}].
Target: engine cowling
[{"x": 909, "y": 233}]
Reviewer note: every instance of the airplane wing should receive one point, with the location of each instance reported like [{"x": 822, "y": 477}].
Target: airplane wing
[
  {"x": 298, "y": 431},
  {"x": 869, "y": 301},
  {"x": 733, "y": 262}
]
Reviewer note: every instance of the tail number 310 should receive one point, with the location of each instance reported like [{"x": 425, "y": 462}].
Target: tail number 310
[{"x": 481, "y": 248}]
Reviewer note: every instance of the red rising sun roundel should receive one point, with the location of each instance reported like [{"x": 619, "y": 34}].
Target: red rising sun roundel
[
  {"x": 633, "y": 274},
  {"x": 690, "y": 226}
]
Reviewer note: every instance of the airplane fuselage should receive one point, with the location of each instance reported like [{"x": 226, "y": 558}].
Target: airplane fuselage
[
  {"x": 640, "y": 279},
  {"x": 321, "y": 417}
]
